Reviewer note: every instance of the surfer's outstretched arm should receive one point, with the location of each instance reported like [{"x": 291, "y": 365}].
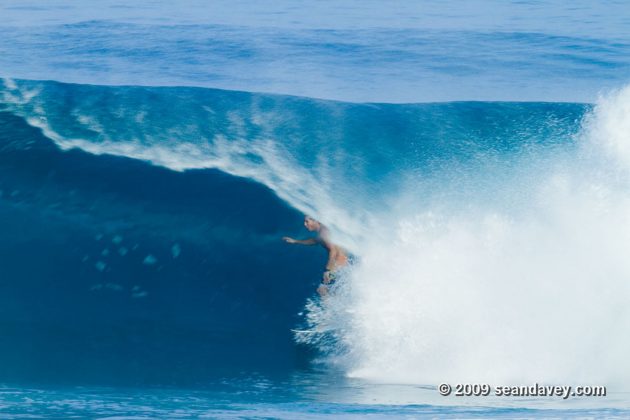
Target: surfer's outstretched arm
[{"x": 311, "y": 241}]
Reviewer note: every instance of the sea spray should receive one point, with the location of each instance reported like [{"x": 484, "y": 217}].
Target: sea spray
[{"x": 505, "y": 291}]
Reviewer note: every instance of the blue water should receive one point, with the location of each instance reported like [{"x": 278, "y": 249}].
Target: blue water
[
  {"x": 346, "y": 50},
  {"x": 152, "y": 157}
]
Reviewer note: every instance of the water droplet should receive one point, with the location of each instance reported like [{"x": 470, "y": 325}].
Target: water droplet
[{"x": 149, "y": 260}]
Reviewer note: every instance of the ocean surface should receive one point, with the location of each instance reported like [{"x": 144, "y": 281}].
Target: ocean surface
[{"x": 473, "y": 156}]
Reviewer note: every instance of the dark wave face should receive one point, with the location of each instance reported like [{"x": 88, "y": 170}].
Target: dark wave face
[{"x": 115, "y": 270}]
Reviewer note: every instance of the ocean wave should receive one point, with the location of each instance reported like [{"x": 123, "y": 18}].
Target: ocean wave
[{"x": 491, "y": 235}]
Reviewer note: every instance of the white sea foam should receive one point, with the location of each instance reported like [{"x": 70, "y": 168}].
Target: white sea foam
[
  {"x": 607, "y": 129},
  {"x": 536, "y": 291}
]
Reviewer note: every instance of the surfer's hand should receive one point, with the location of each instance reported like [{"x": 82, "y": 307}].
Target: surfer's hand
[
  {"x": 288, "y": 240},
  {"x": 326, "y": 277}
]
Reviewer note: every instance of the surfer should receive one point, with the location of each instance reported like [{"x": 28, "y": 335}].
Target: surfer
[{"x": 337, "y": 257}]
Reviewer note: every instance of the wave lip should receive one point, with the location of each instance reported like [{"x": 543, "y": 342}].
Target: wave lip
[{"x": 312, "y": 153}]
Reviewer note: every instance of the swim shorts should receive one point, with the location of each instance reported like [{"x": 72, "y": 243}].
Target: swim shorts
[{"x": 332, "y": 277}]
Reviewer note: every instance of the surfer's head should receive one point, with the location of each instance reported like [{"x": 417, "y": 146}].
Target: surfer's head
[{"x": 311, "y": 224}]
